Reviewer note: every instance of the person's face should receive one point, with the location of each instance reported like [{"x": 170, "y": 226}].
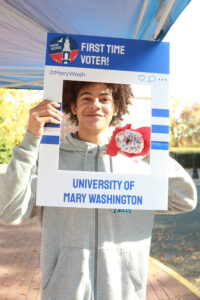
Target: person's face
[{"x": 94, "y": 108}]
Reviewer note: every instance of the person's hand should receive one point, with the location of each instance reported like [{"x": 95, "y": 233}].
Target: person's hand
[{"x": 44, "y": 112}]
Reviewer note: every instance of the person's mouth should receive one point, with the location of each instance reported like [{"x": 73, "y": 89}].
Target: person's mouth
[{"x": 95, "y": 115}]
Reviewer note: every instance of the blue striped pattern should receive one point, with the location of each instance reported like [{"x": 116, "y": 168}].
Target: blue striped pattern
[
  {"x": 160, "y": 129},
  {"x": 164, "y": 113},
  {"x": 50, "y": 139},
  {"x": 51, "y": 125},
  {"x": 159, "y": 145}
]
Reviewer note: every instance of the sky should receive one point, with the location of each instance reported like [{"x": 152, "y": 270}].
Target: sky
[{"x": 184, "y": 41}]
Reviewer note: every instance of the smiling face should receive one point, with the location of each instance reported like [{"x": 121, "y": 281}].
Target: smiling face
[{"x": 94, "y": 108}]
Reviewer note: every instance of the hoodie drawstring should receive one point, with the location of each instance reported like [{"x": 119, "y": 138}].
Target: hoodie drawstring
[
  {"x": 111, "y": 164},
  {"x": 85, "y": 159}
]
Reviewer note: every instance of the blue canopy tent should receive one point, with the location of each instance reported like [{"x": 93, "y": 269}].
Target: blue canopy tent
[{"x": 24, "y": 24}]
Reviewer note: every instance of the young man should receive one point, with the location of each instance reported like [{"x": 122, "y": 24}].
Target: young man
[{"x": 87, "y": 254}]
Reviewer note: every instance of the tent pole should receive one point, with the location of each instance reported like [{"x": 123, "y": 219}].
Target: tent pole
[
  {"x": 145, "y": 4},
  {"x": 163, "y": 19}
]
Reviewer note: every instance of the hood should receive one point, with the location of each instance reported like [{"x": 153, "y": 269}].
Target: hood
[{"x": 72, "y": 143}]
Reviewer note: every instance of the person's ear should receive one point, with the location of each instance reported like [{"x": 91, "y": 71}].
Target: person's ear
[
  {"x": 116, "y": 109},
  {"x": 73, "y": 108}
]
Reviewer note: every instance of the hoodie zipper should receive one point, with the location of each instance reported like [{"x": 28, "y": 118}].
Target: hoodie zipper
[{"x": 96, "y": 231}]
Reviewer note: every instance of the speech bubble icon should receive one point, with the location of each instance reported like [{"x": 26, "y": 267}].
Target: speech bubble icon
[{"x": 151, "y": 78}]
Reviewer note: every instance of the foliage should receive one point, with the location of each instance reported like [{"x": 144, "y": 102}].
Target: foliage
[
  {"x": 185, "y": 150},
  {"x": 14, "y": 108},
  {"x": 5, "y": 150},
  {"x": 185, "y": 125}
]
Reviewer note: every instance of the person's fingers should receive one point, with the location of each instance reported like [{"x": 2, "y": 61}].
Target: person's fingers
[
  {"x": 47, "y": 112},
  {"x": 44, "y": 112},
  {"x": 48, "y": 119},
  {"x": 46, "y": 104}
]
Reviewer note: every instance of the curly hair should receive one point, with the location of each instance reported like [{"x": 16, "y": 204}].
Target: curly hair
[{"x": 121, "y": 93}]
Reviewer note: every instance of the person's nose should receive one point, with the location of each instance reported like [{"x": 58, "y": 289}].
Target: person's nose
[{"x": 95, "y": 104}]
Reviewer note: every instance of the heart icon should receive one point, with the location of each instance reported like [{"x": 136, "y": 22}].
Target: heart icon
[{"x": 141, "y": 77}]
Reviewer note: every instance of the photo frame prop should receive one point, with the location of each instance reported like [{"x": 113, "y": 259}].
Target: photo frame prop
[{"x": 106, "y": 60}]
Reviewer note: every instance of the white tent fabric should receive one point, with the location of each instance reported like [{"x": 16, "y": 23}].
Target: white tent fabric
[{"x": 25, "y": 23}]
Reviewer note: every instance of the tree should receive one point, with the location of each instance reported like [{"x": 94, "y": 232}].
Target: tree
[
  {"x": 190, "y": 126},
  {"x": 14, "y": 108},
  {"x": 184, "y": 124}
]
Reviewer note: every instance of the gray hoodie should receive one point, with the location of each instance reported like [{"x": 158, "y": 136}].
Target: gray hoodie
[{"x": 87, "y": 254}]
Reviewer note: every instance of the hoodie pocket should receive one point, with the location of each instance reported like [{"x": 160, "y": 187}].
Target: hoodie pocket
[
  {"x": 70, "y": 279},
  {"x": 118, "y": 278}
]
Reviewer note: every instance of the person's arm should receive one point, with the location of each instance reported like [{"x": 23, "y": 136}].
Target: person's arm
[
  {"x": 182, "y": 193},
  {"x": 18, "y": 185}
]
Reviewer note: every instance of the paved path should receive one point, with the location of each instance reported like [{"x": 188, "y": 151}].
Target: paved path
[
  {"x": 19, "y": 261},
  {"x": 20, "y": 268}
]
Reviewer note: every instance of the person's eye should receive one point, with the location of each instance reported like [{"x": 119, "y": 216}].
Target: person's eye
[{"x": 104, "y": 100}]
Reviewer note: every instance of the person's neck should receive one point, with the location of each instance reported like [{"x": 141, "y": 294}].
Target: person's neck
[{"x": 98, "y": 138}]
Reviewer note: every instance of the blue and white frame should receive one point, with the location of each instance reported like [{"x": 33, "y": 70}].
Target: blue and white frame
[{"x": 136, "y": 62}]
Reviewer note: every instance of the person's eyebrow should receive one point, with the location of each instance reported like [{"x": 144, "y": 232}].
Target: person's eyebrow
[
  {"x": 85, "y": 93},
  {"x": 89, "y": 93},
  {"x": 106, "y": 94}
]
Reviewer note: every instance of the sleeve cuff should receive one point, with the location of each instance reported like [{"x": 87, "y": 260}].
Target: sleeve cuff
[{"x": 30, "y": 141}]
